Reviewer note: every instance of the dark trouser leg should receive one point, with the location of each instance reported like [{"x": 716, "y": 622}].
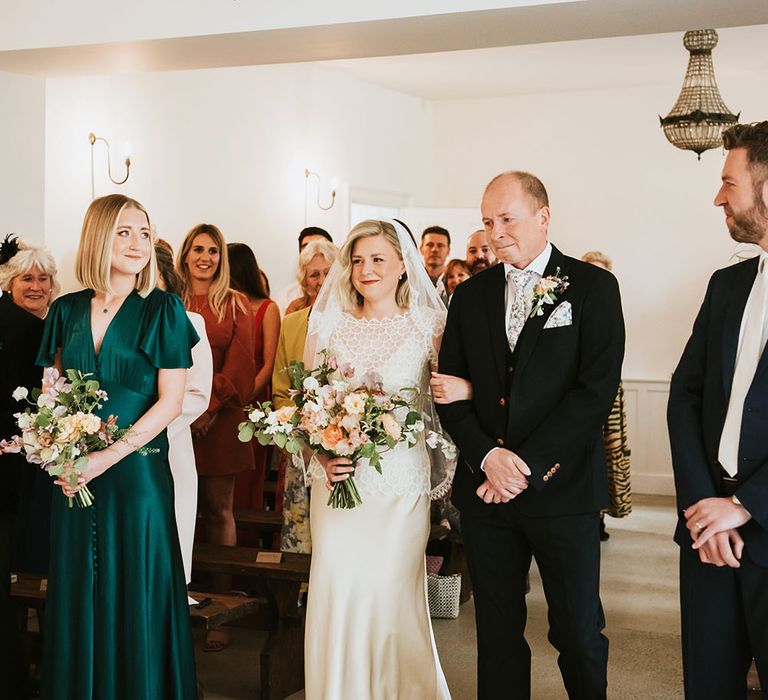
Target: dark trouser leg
[
  {"x": 567, "y": 552},
  {"x": 716, "y": 653},
  {"x": 499, "y": 558},
  {"x": 12, "y": 672},
  {"x": 753, "y": 583}
]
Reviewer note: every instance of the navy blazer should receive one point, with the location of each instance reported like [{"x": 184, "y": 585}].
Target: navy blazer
[
  {"x": 547, "y": 402},
  {"x": 698, "y": 401}
]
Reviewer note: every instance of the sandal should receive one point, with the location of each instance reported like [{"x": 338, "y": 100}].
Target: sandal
[{"x": 216, "y": 640}]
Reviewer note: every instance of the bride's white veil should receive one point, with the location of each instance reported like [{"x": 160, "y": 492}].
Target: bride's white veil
[{"x": 428, "y": 313}]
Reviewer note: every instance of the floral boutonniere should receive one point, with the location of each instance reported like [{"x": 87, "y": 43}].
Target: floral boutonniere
[{"x": 547, "y": 291}]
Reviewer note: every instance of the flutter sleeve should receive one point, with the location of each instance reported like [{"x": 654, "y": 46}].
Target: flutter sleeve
[
  {"x": 169, "y": 335},
  {"x": 52, "y": 333}
]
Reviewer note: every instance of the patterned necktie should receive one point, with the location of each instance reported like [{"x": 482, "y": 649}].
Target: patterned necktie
[
  {"x": 518, "y": 313},
  {"x": 746, "y": 364}
]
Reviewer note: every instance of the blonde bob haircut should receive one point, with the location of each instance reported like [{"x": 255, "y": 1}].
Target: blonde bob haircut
[
  {"x": 351, "y": 299},
  {"x": 220, "y": 294},
  {"x": 94, "y": 254},
  {"x": 30, "y": 255}
]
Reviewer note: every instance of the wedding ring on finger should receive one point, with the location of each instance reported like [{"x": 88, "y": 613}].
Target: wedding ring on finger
[{"x": 699, "y": 526}]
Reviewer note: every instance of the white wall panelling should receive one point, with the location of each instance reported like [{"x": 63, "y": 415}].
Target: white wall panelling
[{"x": 651, "y": 460}]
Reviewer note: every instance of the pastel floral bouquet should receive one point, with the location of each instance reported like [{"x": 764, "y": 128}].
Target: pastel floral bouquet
[
  {"x": 61, "y": 429},
  {"x": 339, "y": 417}
]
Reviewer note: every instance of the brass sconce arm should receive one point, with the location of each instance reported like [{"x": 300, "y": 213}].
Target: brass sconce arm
[{"x": 92, "y": 139}]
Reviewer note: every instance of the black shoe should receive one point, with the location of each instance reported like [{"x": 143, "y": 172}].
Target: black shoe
[{"x": 604, "y": 534}]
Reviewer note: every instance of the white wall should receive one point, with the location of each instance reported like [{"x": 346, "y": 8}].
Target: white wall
[
  {"x": 22, "y": 155},
  {"x": 229, "y": 147},
  {"x": 615, "y": 184}
]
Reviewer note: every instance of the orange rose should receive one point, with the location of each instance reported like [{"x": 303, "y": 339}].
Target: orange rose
[{"x": 331, "y": 435}]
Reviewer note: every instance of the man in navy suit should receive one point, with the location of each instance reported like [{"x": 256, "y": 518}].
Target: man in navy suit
[
  {"x": 541, "y": 339},
  {"x": 718, "y": 427}
]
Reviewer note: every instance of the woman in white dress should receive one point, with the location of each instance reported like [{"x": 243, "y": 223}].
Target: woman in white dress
[{"x": 368, "y": 632}]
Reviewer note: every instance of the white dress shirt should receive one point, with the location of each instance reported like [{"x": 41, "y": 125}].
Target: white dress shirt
[{"x": 538, "y": 265}]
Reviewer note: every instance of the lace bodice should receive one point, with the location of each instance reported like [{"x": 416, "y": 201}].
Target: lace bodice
[{"x": 401, "y": 349}]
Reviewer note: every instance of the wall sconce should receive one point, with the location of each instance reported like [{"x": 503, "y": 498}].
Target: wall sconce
[
  {"x": 92, "y": 138},
  {"x": 307, "y": 175}
]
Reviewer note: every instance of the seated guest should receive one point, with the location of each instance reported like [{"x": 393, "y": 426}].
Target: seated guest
[
  {"x": 479, "y": 254},
  {"x": 197, "y": 394},
  {"x": 434, "y": 249},
  {"x": 456, "y": 271},
  {"x": 295, "y": 535},
  {"x": 287, "y": 294},
  {"x": 245, "y": 277},
  {"x": 314, "y": 263},
  {"x": 28, "y": 277},
  {"x": 20, "y": 334}
]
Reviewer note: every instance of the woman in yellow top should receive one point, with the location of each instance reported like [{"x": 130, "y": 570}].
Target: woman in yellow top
[{"x": 295, "y": 535}]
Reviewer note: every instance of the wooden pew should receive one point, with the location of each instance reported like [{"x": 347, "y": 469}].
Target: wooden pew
[{"x": 282, "y": 658}]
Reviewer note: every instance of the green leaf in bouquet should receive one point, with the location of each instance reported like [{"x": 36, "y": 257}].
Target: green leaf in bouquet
[
  {"x": 91, "y": 385},
  {"x": 44, "y": 417},
  {"x": 280, "y": 439},
  {"x": 390, "y": 442},
  {"x": 81, "y": 464},
  {"x": 245, "y": 431},
  {"x": 294, "y": 446},
  {"x": 412, "y": 417},
  {"x": 36, "y": 394},
  {"x": 368, "y": 451},
  {"x": 72, "y": 374},
  {"x": 264, "y": 438}
]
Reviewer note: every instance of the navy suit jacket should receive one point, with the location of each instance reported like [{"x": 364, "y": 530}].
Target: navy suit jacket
[
  {"x": 549, "y": 403},
  {"x": 698, "y": 401}
]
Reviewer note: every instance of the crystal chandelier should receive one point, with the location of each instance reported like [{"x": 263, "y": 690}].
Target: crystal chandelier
[{"x": 699, "y": 116}]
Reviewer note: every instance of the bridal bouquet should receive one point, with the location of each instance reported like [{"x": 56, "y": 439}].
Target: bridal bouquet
[
  {"x": 61, "y": 428},
  {"x": 339, "y": 417}
]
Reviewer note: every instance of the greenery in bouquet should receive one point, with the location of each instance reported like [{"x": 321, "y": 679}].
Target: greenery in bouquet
[
  {"x": 60, "y": 428},
  {"x": 337, "y": 415}
]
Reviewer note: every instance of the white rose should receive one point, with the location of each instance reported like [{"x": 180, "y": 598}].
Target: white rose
[
  {"x": 311, "y": 384},
  {"x": 26, "y": 420},
  {"x": 20, "y": 393},
  {"x": 49, "y": 454},
  {"x": 354, "y": 404},
  {"x": 284, "y": 414},
  {"x": 256, "y": 415},
  {"x": 92, "y": 424}
]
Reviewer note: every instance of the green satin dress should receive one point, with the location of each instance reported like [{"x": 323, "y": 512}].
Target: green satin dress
[{"x": 117, "y": 623}]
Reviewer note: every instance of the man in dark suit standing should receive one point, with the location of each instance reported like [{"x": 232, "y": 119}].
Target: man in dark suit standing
[
  {"x": 718, "y": 428},
  {"x": 541, "y": 339},
  {"x": 20, "y": 334}
]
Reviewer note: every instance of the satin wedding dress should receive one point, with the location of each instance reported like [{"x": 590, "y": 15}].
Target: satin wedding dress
[{"x": 368, "y": 632}]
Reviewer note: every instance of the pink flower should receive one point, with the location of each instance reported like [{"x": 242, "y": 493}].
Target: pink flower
[{"x": 391, "y": 426}]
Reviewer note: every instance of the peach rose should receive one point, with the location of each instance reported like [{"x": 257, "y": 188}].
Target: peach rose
[{"x": 331, "y": 435}]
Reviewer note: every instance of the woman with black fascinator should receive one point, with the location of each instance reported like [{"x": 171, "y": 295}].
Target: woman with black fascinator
[{"x": 20, "y": 334}]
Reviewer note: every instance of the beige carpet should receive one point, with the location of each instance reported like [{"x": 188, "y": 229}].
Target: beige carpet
[{"x": 640, "y": 596}]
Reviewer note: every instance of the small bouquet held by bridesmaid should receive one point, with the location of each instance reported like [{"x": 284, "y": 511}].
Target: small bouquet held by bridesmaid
[
  {"x": 339, "y": 417},
  {"x": 61, "y": 428}
]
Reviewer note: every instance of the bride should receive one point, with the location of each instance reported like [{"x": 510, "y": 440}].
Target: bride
[{"x": 368, "y": 632}]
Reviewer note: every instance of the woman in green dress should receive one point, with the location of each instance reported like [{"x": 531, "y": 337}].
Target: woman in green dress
[{"x": 117, "y": 623}]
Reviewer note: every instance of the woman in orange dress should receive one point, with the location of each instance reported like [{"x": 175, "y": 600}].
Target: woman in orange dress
[
  {"x": 203, "y": 263},
  {"x": 245, "y": 277}
]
